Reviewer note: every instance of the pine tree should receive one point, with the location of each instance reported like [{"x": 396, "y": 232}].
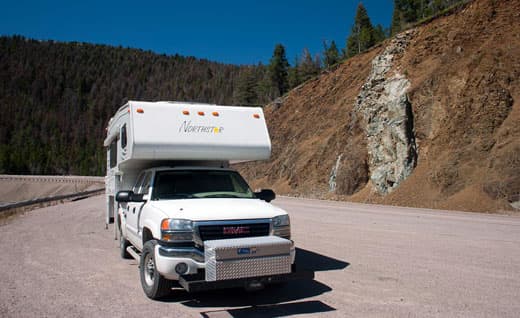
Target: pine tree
[
  {"x": 330, "y": 54},
  {"x": 379, "y": 33},
  {"x": 407, "y": 12},
  {"x": 294, "y": 74},
  {"x": 361, "y": 36},
  {"x": 278, "y": 70},
  {"x": 396, "y": 26},
  {"x": 307, "y": 68},
  {"x": 246, "y": 90}
]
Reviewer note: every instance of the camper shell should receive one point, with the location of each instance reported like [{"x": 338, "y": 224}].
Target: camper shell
[
  {"x": 181, "y": 210},
  {"x": 149, "y": 134}
]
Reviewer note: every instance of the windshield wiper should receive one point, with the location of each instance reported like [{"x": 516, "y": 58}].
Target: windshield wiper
[
  {"x": 176, "y": 196},
  {"x": 223, "y": 195}
]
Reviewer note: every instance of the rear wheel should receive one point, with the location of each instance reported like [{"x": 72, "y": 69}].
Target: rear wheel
[{"x": 154, "y": 285}]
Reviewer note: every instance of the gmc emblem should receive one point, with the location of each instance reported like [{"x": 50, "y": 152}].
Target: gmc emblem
[{"x": 235, "y": 230}]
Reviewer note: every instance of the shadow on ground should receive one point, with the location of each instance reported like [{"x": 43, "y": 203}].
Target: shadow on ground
[
  {"x": 276, "y": 310},
  {"x": 273, "y": 301},
  {"x": 315, "y": 262}
]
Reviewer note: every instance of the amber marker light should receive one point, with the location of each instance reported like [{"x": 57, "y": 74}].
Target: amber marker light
[
  {"x": 140, "y": 110},
  {"x": 201, "y": 113},
  {"x": 185, "y": 112},
  {"x": 216, "y": 114},
  {"x": 256, "y": 116},
  {"x": 165, "y": 225}
]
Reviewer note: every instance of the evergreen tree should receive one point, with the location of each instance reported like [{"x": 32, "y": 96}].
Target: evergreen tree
[
  {"x": 265, "y": 88},
  {"x": 294, "y": 74},
  {"x": 246, "y": 90},
  {"x": 379, "y": 33},
  {"x": 308, "y": 68},
  {"x": 278, "y": 70},
  {"x": 407, "y": 12},
  {"x": 330, "y": 54},
  {"x": 361, "y": 36},
  {"x": 396, "y": 26}
]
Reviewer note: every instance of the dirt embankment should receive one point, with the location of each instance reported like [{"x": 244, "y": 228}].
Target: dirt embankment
[{"x": 464, "y": 95}]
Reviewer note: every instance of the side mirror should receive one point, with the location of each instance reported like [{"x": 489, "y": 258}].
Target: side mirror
[
  {"x": 129, "y": 196},
  {"x": 124, "y": 196},
  {"x": 267, "y": 195}
]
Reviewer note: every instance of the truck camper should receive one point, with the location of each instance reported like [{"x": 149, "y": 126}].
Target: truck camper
[{"x": 181, "y": 211}]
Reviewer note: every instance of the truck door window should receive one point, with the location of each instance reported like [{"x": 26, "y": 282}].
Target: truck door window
[
  {"x": 146, "y": 183},
  {"x": 138, "y": 183}
]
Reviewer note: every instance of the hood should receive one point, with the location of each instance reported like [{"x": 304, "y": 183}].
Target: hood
[{"x": 213, "y": 209}]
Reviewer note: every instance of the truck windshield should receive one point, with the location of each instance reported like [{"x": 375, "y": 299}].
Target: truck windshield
[{"x": 186, "y": 184}]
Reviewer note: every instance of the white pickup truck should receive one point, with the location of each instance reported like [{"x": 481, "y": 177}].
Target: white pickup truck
[{"x": 178, "y": 208}]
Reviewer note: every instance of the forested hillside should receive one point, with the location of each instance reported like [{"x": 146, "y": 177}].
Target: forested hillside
[{"x": 56, "y": 98}]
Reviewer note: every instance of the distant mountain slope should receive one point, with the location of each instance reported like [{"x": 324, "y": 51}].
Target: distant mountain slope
[
  {"x": 56, "y": 98},
  {"x": 456, "y": 128}
]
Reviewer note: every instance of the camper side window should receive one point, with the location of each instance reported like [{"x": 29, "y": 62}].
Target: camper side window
[
  {"x": 123, "y": 136},
  {"x": 113, "y": 154}
]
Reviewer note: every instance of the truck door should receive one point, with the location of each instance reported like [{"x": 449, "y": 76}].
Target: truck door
[{"x": 133, "y": 231}]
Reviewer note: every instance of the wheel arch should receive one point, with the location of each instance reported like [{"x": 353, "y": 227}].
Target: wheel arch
[{"x": 147, "y": 235}]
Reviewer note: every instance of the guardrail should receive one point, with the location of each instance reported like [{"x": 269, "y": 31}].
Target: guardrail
[
  {"x": 52, "y": 179},
  {"x": 55, "y": 179},
  {"x": 23, "y": 204}
]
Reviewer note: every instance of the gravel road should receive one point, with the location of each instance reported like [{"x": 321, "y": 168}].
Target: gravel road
[{"x": 370, "y": 261}]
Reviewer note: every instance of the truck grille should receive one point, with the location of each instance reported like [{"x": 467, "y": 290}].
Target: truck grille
[{"x": 227, "y": 231}]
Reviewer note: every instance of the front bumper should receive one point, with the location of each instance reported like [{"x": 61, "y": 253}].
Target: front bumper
[{"x": 167, "y": 258}]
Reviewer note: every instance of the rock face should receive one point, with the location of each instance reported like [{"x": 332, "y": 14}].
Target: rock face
[
  {"x": 388, "y": 119},
  {"x": 334, "y": 174}
]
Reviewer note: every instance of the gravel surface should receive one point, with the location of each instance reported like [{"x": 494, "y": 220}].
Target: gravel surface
[{"x": 369, "y": 260}]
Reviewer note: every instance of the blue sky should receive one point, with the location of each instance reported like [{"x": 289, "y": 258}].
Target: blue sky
[{"x": 239, "y": 32}]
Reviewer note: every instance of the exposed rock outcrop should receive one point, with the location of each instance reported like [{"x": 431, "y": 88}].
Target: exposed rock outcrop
[
  {"x": 386, "y": 111},
  {"x": 334, "y": 174}
]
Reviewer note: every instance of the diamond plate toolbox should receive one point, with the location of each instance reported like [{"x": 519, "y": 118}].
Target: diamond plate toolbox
[{"x": 247, "y": 257}]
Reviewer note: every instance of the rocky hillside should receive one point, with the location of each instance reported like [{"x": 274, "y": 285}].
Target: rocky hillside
[{"x": 430, "y": 118}]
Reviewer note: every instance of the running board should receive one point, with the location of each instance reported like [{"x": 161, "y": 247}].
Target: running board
[{"x": 134, "y": 252}]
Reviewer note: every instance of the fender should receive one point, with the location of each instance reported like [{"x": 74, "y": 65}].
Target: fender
[{"x": 150, "y": 218}]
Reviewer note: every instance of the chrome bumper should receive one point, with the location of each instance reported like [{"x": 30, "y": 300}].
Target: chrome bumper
[{"x": 182, "y": 252}]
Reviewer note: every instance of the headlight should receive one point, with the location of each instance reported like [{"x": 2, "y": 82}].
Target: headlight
[
  {"x": 174, "y": 230},
  {"x": 176, "y": 225},
  {"x": 282, "y": 226},
  {"x": 281, "y": 220}
]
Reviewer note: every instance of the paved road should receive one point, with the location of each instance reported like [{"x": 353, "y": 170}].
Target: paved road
[{"x": 370, "y": 261}]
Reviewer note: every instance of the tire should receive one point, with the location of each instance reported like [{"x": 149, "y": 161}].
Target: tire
[
  {"x": 154, "y": 285},
  {"x": 123, "y": 244}
]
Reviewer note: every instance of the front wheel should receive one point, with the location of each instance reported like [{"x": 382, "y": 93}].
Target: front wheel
[{"x": 154, "y": 285}]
